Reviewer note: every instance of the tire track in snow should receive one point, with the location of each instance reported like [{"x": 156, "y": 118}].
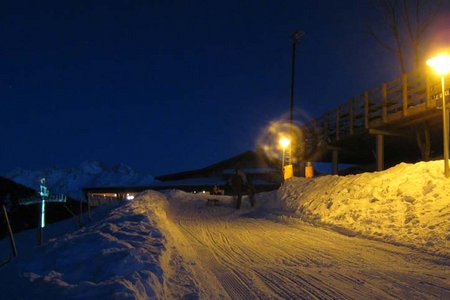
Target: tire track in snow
[
  {"x": 259, "y": 258},
  {"x": 234, "y": 283},
  {"x": 234, "y": 257}
]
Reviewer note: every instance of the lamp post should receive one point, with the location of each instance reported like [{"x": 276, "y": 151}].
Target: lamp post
[
  {"x": 441, "y": 64},
  {"x": 296, "y": 37},
  {"x": 284, "y": 143}
]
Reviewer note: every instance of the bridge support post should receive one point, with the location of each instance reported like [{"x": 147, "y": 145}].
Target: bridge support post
[
  {"x": 424, "y": 142},
  {"x": 380, "y": 152},
  {"x": 301, "y": 171},
  {"x": 335, "y": 161}
]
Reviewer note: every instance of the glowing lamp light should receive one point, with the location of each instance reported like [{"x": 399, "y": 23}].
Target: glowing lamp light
[
  {"x": 440, "y": 63},
  {"x": 284, "y": 143}
]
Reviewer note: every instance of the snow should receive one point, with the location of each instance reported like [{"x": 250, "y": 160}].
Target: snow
[
  {"x": 382, "y": 235},
  {"x": 70, "y": 181},
  {"x": 119, "y": 256},
  {"x": 407, "y": 204}
]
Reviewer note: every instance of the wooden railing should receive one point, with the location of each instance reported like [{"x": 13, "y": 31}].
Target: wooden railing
[{"x": 400, "y": 98}]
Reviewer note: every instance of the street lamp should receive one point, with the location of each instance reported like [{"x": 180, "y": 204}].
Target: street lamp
[
  {"x": 284, "y": 143},
  {"x": 296, "y": 38},
  {"x": 441, "y": 64}
]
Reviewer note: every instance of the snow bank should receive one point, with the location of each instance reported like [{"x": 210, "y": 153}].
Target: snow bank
[
  {"x": 408, "y": 204},
  {"x": 123, "y": 256}
]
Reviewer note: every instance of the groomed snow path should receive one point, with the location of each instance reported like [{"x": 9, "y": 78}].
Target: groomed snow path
[{"x": 246, "y": 254}]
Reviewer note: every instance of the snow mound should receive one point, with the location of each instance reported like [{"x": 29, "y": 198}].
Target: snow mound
[
  {"x": 123, "y": 256},
  {"x": 88, "y": 174},
  {"x": 407, "y": 204}
]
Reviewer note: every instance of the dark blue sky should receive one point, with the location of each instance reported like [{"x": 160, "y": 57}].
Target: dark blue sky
[{"x": 167, "y": 86}]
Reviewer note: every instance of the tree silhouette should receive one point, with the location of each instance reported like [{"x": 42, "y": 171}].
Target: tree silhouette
[{"x": 407, "y": 22}]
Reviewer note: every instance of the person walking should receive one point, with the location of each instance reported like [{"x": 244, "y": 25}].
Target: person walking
[{"x": 238, "y": 182}]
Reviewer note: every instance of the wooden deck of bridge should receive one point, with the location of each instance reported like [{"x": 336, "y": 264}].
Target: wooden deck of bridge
[{"x": 397, "y": 119}]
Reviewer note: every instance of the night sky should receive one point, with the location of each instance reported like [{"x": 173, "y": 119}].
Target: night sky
[{"x": 167, "y": 86}]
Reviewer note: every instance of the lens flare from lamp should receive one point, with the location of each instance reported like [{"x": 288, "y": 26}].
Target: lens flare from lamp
[{"x": 270, "y": 137}]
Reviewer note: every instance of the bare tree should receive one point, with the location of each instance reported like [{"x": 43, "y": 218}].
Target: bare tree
[
  {"x": 406, "y": 21},
  {"x": 418, "y": 15}
]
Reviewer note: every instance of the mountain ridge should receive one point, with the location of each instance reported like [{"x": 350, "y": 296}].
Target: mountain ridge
[{"x": 71, "y": 180}]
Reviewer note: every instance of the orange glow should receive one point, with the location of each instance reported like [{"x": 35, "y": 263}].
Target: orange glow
[
  {"x": 269, "y": 139},
  {"x": 288, "y": 172},
  {"x": 440, "y": 63},
  {"x": 285, "y": 142},
  {"x": 309, "y": 171}
]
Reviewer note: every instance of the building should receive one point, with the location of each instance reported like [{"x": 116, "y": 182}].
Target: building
[{"x": 264, "y": 173}]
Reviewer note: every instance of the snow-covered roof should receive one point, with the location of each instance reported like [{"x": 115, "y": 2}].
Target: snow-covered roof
[
  {"x": 209, "y": 181},
  {"x": 205, "y": 181},
  {"x": 253, "y": 171},
  {"x": 257, "y": 160}
]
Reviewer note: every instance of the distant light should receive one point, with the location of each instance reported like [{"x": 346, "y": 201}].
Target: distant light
[
  {"x": 130, "y": 197},
  {"x": 285, "y": 142},
  {"x": 43, "y": 213},
  {"x": 440, "y": 63},
  {"x": 204, "y": 192}
]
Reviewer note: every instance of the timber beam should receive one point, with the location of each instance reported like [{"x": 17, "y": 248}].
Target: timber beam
[
  {"x": 380, "y": 152},
  {"x": 389, "y": 132}
]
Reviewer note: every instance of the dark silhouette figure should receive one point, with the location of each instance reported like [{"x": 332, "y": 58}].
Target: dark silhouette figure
[
  {"x": 216, "y": 190},
  {"x": 238, "y": 182}
]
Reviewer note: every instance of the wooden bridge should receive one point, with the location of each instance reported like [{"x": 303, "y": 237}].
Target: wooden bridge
[{"x": 400, "y": 120}]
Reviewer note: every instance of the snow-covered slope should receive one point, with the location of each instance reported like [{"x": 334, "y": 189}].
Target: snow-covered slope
[
  {"x": 120, "y": 256},
  {"x": 88, "y": 174},
  {"x": 173, "y": 245},
  {"x": 407, "y": 204}
]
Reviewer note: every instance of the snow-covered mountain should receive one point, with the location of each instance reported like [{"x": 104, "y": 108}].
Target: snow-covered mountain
[{"x": 88, "y": 174}]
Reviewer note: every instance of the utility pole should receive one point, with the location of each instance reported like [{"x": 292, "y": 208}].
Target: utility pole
[
  {"x": 296, "y": 38},
  {"x": 11, "y": 236}
]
